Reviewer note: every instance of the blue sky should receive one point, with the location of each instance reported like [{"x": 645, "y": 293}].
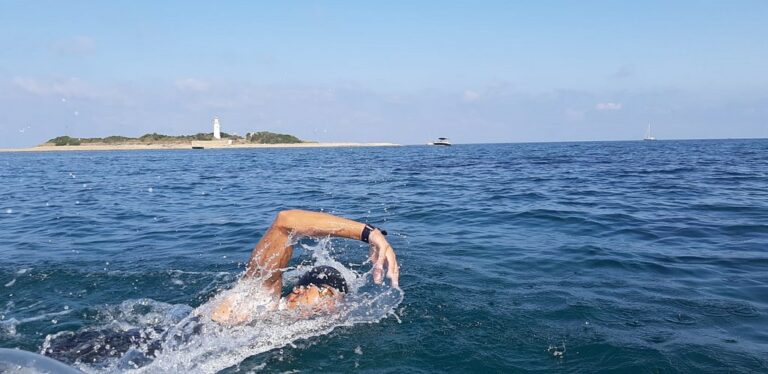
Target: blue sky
[{"x": 397, "y": 71}]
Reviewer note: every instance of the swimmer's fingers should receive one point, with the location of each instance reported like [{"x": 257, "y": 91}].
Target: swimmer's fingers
[
  {"x": 386, "y": 256},
  {"x": 379, "y": 248},
  {"x": 378, "y": 257},
  {"x": 382, "y": 255},
  {"x": 393, "y": 270}
]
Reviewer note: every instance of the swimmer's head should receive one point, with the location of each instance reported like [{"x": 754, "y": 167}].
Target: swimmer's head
[
  {"x": 320, "y": 288},
  {"x": 323, "y": 276}
]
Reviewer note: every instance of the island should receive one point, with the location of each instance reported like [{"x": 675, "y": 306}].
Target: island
[
  {"x": 213, "y": 140},
  {"x": 260, "y": 139}
]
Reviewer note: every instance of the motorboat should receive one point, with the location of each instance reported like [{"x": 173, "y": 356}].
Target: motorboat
[{"x": 441, "y": 141}]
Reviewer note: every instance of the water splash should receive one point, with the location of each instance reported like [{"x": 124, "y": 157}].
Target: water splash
[{"x": 168, "y": 338}]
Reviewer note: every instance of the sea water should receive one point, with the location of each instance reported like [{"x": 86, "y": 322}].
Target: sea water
[{"x": 572, "y": 257}]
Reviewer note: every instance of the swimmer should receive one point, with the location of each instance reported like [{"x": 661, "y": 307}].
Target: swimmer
[
  {"x": 320, "y": 289},
  {"x": 317, "y": 291}
]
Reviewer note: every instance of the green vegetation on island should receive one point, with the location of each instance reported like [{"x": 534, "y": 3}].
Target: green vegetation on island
[
  {"x": 64, "y": 140},
  {"x": 260, "y": 137},
  {"x": 266, "y": 137}
]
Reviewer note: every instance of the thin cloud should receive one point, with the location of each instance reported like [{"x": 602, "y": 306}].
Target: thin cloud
[
  {"x": 75, "y": 46},
  {"x": 192, "y": 85},
  {"x": 574, "y": 114},
  {"x": 470, "y": 96},
  {"x": 624, "y": 71},
  {"x": 608, "y": 106},
  {"x": 71, "y": 87}
]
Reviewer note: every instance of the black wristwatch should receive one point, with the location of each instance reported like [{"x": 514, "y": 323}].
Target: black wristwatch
[{"x": 367, "y": 232}]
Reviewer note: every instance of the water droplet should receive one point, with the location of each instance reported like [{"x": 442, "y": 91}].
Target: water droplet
[{"x": 150, "y": 189}]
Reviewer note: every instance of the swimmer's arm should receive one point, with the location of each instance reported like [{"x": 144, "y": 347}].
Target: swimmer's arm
[
  {"x": 306, "y": 223},
  {"x": 322, "y": 224},
  {"x": 273, "y": 252}
]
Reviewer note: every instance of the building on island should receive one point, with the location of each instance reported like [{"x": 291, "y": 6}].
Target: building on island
[
  {"x": 216, "y": 128},
  {"x": 216, "y": 140}
]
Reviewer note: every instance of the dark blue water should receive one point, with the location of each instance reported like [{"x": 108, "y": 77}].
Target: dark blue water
[{"x": 567, "y": 257}]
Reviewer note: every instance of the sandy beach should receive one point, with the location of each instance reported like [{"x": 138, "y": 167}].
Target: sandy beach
[{"x": 205, "y": 145}]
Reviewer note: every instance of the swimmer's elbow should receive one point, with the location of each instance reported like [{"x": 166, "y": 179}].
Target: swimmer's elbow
[{"x": 286, "y": 219}]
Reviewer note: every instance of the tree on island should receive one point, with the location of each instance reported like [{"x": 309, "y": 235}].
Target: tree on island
[
  {"x": 64, "y": 140},
  {"x": 266, "y": 137}
]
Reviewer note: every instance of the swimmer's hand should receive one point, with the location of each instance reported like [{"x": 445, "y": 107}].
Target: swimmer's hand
[
  {"x": 228, "y": 313},
  {"x": 382, "y": 255}
]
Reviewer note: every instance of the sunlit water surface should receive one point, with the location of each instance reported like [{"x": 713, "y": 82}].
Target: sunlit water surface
[{"x": 568, "y": 257}]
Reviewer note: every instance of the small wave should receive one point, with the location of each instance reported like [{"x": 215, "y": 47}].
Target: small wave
[
  {"x": 681, "y": 319},
  {"x": 674, "y": 170},
  {"x": 719, "y": 307},
  {"x": 725, "y": 207},
  {"x": 571, "y": 218},
  {"x": 9, "y": 326}
]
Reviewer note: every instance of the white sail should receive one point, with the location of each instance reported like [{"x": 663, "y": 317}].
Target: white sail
[{"x": 648, "y": 135}]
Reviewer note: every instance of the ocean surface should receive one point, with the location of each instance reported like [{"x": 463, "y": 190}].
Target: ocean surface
[{"x": 547, "y": 257}]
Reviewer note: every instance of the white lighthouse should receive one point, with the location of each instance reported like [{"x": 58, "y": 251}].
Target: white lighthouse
[{"x": 216, "y": 128}]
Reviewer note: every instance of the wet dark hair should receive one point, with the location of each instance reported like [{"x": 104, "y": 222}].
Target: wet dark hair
[{"x": 323, "y": 276}]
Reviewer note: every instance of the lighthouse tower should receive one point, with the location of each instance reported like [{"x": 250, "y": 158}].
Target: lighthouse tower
[{"x": 216, "y": 128}]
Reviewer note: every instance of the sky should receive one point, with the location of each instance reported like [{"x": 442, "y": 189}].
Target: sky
[{"x": 385, "y": 71}]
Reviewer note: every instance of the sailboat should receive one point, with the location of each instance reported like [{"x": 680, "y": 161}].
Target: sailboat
[{"x": 648, "y": 135}]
